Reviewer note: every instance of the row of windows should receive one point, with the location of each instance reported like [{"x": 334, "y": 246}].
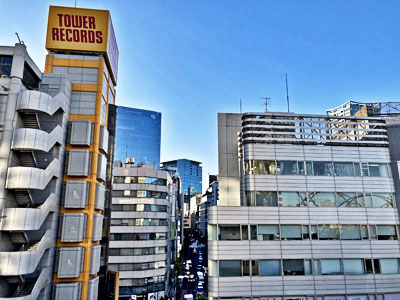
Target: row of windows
[
  {"x": 316, "y": 168},
  {"x": 136, "y": 251},
  {"x": 140, "y": 194},
  {"x": 139, "y": 207},
  {"x": 296, "y": 267},
  {"x": 140, "y": 179},
  {"x": 142, "y": 281},
  {"x": 138, "y": 236},
  {"x": 303, "y": 232},
  {"x": 139, "y": 222},
  {"x": 319, "y": 199},
  {"x": 138, "y": 290},
  {"x": 137, "y": 266}
]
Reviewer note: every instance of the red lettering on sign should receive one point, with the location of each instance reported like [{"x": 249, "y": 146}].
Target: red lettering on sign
[
  {"x": 54, "y": 34},
  {"x": 76, "y": 21},
  {"x": 92, "y": 25},
  {"x": 62, "y": 34},
  {"x": 84, "y": 36},
  {"x": 91, "y": 37},
  {"x": 76, "y": 35},
  {"x": 85, "y": 22},
  {"x": 67, "y": 21},
  {"x": 99, "y": 37},
  {"x": 68, "y": 34},
  {"x": 60, "y": 19}
]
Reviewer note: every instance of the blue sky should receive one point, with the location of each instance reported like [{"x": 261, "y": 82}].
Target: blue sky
[{"x": 190, "y": 60}]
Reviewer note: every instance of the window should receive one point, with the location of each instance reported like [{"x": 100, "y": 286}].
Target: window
[
  {"x": 292, "y": 199},
  {"x": 288, "y": 167},
  {"x": 253, "y": 232},
  {"x": 378, "y": 170},
  {"x": 309, "y": 168},
  {"x": 264, "y": 167},
  {"x": 254, "y": 268},
  {"x": 229, "y": 232},
  {"x": 270, "y": 267},
  {"x": 350, "y": 232},
  {"x": 229, "y": 268},
  {"x": 349, "y": 199},
  {"x": 245, "y": 232},
  {"x": 386, "y": 232},
  {"x": 266, "y": 199},
  {"x": 381, "y": 200},
  {"x": 364, "y": 232},
  {"x": 389, "y": 265},
  {"x": 328, "y": 232},
  {"x": 293, "y": 267},
  {"x": 268, "y": 232},
  {"x": 377, "y": 268},
  {"x": 246, "y": 267},
  {"x": 322, "y": 199},
  {"x": 291, "y": 232},
  {"x": 307, "y": 267},
  {"x": 323, "y": 168},
  {"x": 314, "y": 232},
  {"x": 353, "y": 267},
  {"x": 306, "y": 232},
  {"x": 5, "y": 64},
  {"x": 300, "y": 167},
  {"x": 369, "y": 268},
  {"x": 331, "y": 267},
  {"x": 344, "y": 169},
  {"x": 317, "y": 267}
]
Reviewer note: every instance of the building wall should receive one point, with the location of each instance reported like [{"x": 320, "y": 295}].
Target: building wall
[
  {"x": 132, "y": 214},
  {"x": 32, "y": 154},
  {"x": 312, "y": 249},
  {"x": 92, "y": 91}
]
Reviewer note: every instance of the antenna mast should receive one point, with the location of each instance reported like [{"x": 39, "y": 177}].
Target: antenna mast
[
  {"x": 240, "y": 105},
  {"x": 266, "y": 99},
  {"x": 287, "y": 93}
]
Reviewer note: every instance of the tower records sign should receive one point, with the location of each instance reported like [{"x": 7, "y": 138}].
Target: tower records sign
[{"x": 80, "y": 29}]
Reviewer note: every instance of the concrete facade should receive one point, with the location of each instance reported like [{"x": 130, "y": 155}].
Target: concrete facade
[
  {"x": 142, "y": 215},
  {"x": 306, "y": 209}
]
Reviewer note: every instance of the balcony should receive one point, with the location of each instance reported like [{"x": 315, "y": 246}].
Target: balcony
[
  {"x": 34, "y": 101},
  {"x": 25, "y": 261},
  {"x": 21, "y": 219},
  {"x": 24, "y": 178},
  {"x": 36, "y": 140}
]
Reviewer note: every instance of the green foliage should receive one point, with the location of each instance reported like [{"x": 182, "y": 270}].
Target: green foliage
[{"x": 201, "y": 297}]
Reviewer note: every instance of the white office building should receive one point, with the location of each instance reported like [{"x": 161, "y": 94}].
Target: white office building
[
  {"x": 140, "y": 230},
  {"x": 306, "y": 209}
]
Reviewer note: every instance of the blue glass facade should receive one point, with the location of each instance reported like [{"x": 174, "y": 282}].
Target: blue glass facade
[
  {"x": 138, "y": 135},
  {"x": 190, "y": 173}
]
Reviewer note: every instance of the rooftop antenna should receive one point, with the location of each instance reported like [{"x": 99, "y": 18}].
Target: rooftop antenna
[
  {"x": 240, "y": 105},
  {"x": 266, "y": 99},
  {"x": 287, "y": 93},
  {"x": 75, "y": 3},
  {"x": 19, "y": 40}
]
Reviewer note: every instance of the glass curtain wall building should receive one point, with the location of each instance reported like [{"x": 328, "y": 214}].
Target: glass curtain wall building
[
  {"x": 190, "y": 172},
  {"x": 138, "y": 135}
]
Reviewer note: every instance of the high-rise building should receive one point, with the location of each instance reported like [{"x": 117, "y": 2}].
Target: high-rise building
[
  {"x": 138, "y": 135},
  {"x": 142, "y": 230},
  {"x": 209, "y": 198},
  {"x": 304, "y": 213},
  {"x": 190, "y": 173},
  {"x": 353, "y": 108},
  {"x": 53, "y": 154}
]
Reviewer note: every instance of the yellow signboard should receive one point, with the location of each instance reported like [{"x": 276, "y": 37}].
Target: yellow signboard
[{"x": 81, "y": 29}]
